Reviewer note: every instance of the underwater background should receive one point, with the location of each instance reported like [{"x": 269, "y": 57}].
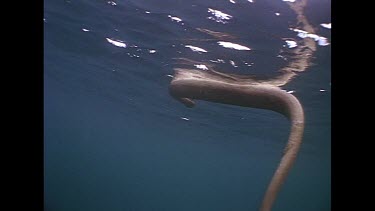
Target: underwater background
[{"x": 114, "y": 139}]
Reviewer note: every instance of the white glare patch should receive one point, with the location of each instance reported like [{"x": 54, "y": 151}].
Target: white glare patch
[
  {"x": 289, "y": 0},
  {"x": 184, "y": 118},
  {"x": 326, "y": 25},
  {"x": 233, "y": 46},
  {"x": 44, "y": 19},
  {"x": 148, "y": 12},
  {"x": 177, "y": 19},
  {"x": 277, "y": 14},
  {"x": 231, "y": 1},
  {"x": 85, "y": 30},
  {"x": 112, "y": 3},
  {"x": 290, "y": 92},
  {"x": 133, "y": 55},
  {"x": 201, "y": 66},
  {"x": 322, "y": 90},
  {"x": 219, "y": 16},
  {"x": 291, "y": 44},
  {"x": 251, "y": 1},
  {"x": 301, "y": 33},
  {"x": 118, "y": 43},
  {"x": 152, "y": 51},
  {"x": 171, "y": 76},
  {"x": 232, "y": 63},
  {"x": 196, "y": 49},
  {"x": 247, "y": 64},
  {"x": 218, "y": 61},
  {"x": 322, "y": 41}
]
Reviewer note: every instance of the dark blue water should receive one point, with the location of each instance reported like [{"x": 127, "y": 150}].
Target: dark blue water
[{"x": 115, "y": 139}]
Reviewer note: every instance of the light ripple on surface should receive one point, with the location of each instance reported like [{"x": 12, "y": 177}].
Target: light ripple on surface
[
  {"x": 326, "y": 25},
  {"x": 232, "y": 63},
  {"x": 184, "y": 118},
  {"x": 111, "y": 3},
  {"x": 201, "y": 66},
  {"x": 117, "y": 43},
  {"x": 174, "y": 18},
  {"x": 322, "y": 41},
  {"x": 219, "y": 16},
  {"x": 218, "y": 61},
  {"x": 233, "y": 46},
  {"x": 291, "y": 44},
  {"x": 196, "y": 49}
]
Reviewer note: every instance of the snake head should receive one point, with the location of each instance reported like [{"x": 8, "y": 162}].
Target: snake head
[{"x": 179, "y": 89}]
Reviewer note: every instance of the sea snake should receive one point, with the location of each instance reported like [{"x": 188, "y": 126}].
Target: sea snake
[{"x": 190, "y": 84}]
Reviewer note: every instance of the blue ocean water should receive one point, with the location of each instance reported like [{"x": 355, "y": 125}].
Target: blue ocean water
[{"x": 115, "y": 140}]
